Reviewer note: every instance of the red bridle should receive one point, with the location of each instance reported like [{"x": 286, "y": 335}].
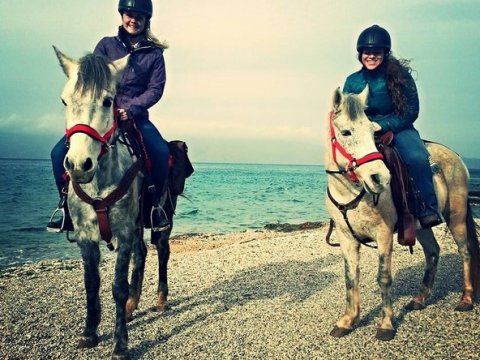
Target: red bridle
[
  {"x": 353, "y": 163},
  {"x": 94, "y": 134}
]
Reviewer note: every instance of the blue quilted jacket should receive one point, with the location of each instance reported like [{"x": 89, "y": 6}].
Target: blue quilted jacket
[
  {"x": 379, "y": 103},
  {"x": 143, "y": 82}
]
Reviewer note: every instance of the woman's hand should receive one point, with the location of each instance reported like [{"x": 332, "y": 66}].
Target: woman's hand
[{"x": 122, "y": 113}]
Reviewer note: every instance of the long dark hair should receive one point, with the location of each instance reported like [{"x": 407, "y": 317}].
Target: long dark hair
[{"x": 395, "y": 71}]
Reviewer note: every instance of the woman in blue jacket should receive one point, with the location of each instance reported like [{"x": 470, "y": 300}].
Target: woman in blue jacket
[
  {"x": 140, "y": 87},
  {"x": 392, "y": 104}
]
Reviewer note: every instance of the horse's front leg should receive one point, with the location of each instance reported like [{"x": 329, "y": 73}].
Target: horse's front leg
[
  {"x": 120, "y": 295},
  {"x": 91, "y": 259},
  {"x": 385, "y": 330},
  {"x": 351, "y": 254},
  {"x": 139, "y": 254}
]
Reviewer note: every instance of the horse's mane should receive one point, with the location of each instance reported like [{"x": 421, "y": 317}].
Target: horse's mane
[
  {"x": 353, "y": 106},
  {"x": 93, "y": 75}
]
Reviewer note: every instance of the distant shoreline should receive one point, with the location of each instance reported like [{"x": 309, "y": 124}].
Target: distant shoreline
[{"x": 474, "y": 163}]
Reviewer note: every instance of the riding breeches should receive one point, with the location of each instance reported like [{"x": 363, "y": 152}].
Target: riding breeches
[
  {"x": 156, "y": 146},
  {"x": 415, "y": 156}
]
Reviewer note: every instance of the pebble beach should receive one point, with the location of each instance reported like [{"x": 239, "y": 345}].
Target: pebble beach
[{"x": 268, "y": 294}]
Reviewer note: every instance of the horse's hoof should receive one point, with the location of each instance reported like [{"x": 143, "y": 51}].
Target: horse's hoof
[
  {"x": 463, "y": 306},
  {"x": 162, "y": 303},
  {"x": 161, "y": 308},
  {"x": 87, "y": 342},
  {"x": 339, "y": 332},
  {"x": 415, "y": 305},
  {"x": 123, "y": 356},
  {"x": 385, "y": 334}
]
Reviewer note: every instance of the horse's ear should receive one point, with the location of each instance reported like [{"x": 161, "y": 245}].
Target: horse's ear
[
  {"x": 68, "y": 65},
  {"x": 364, "y": 95},
  {"x": 337, "y": 99},
  {"x": 118, "y": 66}
]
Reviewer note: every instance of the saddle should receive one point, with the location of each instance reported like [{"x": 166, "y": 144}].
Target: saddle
[
  {"x": 402, "y": 192},
  {"x": 160, "y": 203}
]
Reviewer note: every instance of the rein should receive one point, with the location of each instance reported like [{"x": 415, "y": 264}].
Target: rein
[{"x": 353, "y": 164}]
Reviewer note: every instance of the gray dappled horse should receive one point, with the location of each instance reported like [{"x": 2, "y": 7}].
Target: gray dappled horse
[
  {"x": 97, "y": 168},
  {"x": 360, "y": 183}
]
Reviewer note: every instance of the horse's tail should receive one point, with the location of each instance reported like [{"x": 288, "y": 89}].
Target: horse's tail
[{"x": 474, "y": 247}]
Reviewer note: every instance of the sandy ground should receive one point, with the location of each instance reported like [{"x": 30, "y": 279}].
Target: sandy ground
[{"x": 249, "y": 295}]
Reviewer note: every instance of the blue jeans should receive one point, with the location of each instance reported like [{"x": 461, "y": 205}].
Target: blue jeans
[
  {"x": 413, "y": 152},
  {"x": 157, "y": 149}
]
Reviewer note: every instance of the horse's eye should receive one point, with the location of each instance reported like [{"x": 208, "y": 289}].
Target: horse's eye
[
  {"x": 107, "y": 102},
  {"x": 345, "y": 133},
  {"x": 63, "y": 102}
]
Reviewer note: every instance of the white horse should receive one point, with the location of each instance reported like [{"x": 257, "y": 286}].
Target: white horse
[
  {"x": 104, "y": 194},
  {"x": 360, "y": 202}
]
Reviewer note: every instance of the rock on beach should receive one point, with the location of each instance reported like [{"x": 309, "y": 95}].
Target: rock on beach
[{"x": 270, "y": 294}]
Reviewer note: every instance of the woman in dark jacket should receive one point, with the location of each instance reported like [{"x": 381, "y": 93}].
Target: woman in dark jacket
[
  {"x": 392, "y": 104},
  {"x": 140, "y": 87}
]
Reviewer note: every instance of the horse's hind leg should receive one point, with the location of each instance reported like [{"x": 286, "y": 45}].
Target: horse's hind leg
[
  {"x": 163, "y": 254},
  {"x": 91, "y": 260},
  {"x": 431, "y": 251},
  {"x": 461, "y": 235},
  {"x": 161, "y": 241},
  {"x": 139, "y": 254}
]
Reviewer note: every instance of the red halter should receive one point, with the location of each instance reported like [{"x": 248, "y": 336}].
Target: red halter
[{"x": 353, "y": 163}]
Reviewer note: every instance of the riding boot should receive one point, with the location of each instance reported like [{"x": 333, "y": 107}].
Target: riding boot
[{"x": 426, "y": 199}]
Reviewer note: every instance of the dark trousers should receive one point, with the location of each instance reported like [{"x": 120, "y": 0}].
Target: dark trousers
[
  {"x": 157, "y": 149},
  {"x": 413, "y": 152}
]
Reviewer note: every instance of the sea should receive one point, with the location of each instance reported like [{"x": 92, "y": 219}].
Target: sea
[{"x": 218, "y": 198}]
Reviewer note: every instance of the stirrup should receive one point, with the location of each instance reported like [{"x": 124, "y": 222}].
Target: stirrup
[
  {"x": 50, "y": 229},
  {"x": 60, "y": 209},
  {"x": 160, "y": 222}
]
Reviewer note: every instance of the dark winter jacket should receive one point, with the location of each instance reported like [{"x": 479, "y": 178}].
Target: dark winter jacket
[
  {"x": 143, "y": 81},
  {"x": 379, "y": 103}
]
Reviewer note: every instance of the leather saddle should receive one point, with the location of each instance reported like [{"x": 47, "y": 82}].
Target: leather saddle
[{"x": 402, "y": 192}]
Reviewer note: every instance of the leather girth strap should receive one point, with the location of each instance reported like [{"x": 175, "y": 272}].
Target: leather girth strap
[{"x": 101, "y": 204}]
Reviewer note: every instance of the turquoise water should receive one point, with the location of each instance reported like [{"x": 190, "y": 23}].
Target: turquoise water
[{"x": 219, "y": 198}]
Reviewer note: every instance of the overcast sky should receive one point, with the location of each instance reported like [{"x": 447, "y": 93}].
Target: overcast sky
[{"x": 247, "y": 81}]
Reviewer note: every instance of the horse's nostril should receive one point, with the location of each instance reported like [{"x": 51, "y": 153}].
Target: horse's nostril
[
  {"x": 87, "y": 165},
  {"x": 376, "y": 178},
  {"x": 68, "y": 164}
]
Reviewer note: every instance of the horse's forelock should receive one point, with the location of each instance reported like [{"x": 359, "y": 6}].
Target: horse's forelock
[
  {"x": 353, "y": 106},
  {"x": 93, "y": 75}
]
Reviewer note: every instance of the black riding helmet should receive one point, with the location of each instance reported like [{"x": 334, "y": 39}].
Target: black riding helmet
[
  {"x": 374, "y": 37},
  {"x": 140, "y": 6}
]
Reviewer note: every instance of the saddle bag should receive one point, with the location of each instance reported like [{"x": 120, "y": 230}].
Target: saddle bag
[{"x": 180, "y": 166}]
